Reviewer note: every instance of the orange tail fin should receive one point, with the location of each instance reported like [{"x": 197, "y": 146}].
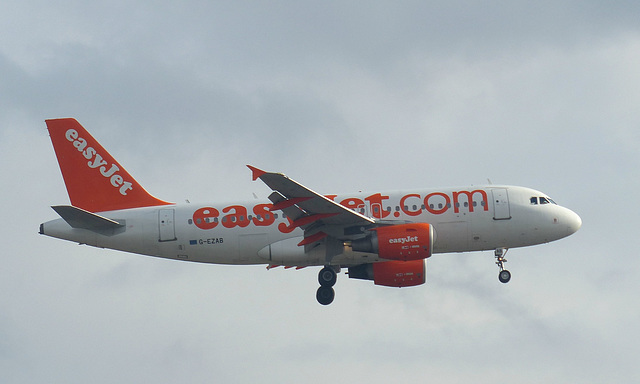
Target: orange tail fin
[{"x": 95, "y": 181}]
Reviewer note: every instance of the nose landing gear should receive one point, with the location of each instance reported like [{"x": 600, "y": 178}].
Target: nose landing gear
[
  {"x": 504, "y": 276},
  {"x": 327, "y": 279}
]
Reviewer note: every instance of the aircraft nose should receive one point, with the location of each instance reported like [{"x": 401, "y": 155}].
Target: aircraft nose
[{"x": 574, "y": 222}]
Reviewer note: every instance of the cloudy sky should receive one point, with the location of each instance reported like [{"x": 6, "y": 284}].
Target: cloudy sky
[{"x": 341, "y": 96}]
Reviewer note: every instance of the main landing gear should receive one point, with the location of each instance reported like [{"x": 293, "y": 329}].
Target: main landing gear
[
  {"x": 504, "y": 276},
  {"x": 327, "y": 279}
]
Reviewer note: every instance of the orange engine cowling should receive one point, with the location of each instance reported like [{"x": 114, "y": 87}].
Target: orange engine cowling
[
  {"x": 392, "y": 273},
  {"x": 399, "y": 242}
]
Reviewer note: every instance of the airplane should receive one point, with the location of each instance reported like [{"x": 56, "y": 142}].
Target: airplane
[{"x": 384, "y": 237}]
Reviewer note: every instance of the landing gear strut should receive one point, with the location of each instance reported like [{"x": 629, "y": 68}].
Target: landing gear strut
[
  {"x": 504, "y": 276},
  {"x": 327, "y": 279}
]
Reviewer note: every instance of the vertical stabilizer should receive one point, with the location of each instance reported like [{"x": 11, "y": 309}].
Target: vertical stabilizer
[{"x": 95, "y": 181}]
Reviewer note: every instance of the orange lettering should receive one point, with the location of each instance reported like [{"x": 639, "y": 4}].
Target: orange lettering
[
  {"x": 439, "y": 211},
  {"x": 204, "y": 218},
  {"x": 284, "y": 228},
  {"x": 375, "y": 202},
  {"x": 237, "y": 218},
  {"x": 263, "y": 216},
  {"x": 405, "y": 209},
  {"x": 331, "y": 197},
  {"x": 456, "y": 204},
  {"x": 352, "y": 203}
]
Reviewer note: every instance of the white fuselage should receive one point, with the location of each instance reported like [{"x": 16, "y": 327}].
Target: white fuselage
[{"x": 464, "y": 219}]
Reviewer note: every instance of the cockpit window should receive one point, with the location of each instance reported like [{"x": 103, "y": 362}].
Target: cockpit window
[{"x": 535, "y": 200}]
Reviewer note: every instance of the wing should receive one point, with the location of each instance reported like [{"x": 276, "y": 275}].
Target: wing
[{"x": 321, "y": 218}]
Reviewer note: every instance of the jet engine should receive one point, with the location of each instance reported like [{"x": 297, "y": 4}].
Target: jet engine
[
  {"x": 398, "y": 242},
  {"x": 392, "y": 273}
]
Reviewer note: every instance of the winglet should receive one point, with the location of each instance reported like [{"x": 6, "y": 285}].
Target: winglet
[{"x": 256, "y": 172}]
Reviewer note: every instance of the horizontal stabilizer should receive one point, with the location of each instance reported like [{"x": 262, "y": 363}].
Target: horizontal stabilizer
[{"x": 79, "y": 218}]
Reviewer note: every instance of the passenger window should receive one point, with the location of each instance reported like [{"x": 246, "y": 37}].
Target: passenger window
[{"x": 534, "y": 200}]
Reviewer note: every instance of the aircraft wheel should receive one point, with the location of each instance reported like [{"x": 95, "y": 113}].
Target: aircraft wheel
[
  {"x": 325, "y": 295},
  {"x": 504, "y": 276},
  {"x": 327, "y": 277}
]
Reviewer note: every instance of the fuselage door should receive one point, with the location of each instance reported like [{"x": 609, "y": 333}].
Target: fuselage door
[
  {"x": 501, "y": 210},
  {"x": 166, "y": 223}
]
